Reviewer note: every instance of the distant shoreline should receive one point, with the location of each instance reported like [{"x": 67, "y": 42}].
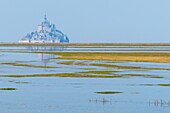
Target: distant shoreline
[{"x": 86, "y": 44}]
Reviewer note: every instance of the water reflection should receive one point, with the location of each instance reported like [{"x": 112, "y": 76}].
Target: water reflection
[
  {"x": 103, "y": 101},
  {"x": 159, "y": 103},
  {"x": 45, "y": 58},
  {"x": 45, "y": 48},
  {"x": 89, "y": 48},
  {"x": 156, "y": 103}
]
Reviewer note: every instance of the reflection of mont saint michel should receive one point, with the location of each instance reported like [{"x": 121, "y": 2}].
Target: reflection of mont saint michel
[{"x": 46, "y": 33}]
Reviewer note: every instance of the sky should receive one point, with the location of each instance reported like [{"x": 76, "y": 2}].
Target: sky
[{"x": 83, "y": 21}]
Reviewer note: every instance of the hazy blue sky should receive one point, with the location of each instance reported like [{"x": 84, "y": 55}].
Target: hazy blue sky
[{"x": 89, "y": 20}]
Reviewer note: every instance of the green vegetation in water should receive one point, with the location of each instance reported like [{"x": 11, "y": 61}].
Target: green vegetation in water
[
  {"x": 108, "y": 92},
  {"x": 128, "y": 67},
  {"x": 77, "y": 75},
  {"x": 18, "y": 61},
  {"x": 166, "y": 85},
  {"x": 89, "y": 69},
  {"x": 74, "y": 63},
  {"x": 99, "y": 72},
  {"x": 147, "y": 84},
  {"x": 26, "y": 65},
  {"x": 111, "y": 66},
  {"x": 66, "y": 63},
  {"x": 84, "y": 75},
  {"x": 114, "y": 56},
  {"x": 141, "y": 75},
  {"x": 7, "y": 88},
  {"x": 163, "y": 84},
  {"x": 117, "y": 66}
]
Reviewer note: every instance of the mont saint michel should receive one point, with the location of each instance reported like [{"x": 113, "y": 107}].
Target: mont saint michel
[{"x": 46, "y": 33}]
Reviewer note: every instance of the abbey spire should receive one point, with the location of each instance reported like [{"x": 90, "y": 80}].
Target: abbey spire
[{"x": 45, "y": 17}]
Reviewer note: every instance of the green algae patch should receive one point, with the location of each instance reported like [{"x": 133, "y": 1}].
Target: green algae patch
[
  {"x": 7, "y": 88},
  {"x": 108, "y": 92},
  {"x": 111, "y": 66},
  {"x": 163, "y": 84},
  {"x": 73, "y": 63},
  {"x": 74, "y": 75},
  {"x": 156, "y": 77},
  {"x": 140, "y": 75},
  {"x": 83, "y": 75},
  {"x": 99, "y": 72},
  {"x": 89, "y": 69},
  {"x": 66, "y": 63},
  {"x": 78, "y": 75},
  {"x": 166, "y": 85},
  {"x": 116, "y": 66},
  {"x": 115, "y": 56},
  {"x": 147, "y": 84},
  {"x": 26, "y": 65},
  {"x": 128, "y": 67}
]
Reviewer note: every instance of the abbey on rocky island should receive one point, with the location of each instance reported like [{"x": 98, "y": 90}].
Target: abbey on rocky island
[{"x": 46, "y": 33}]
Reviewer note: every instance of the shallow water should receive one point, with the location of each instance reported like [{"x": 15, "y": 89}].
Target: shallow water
[
  {"x": 63, "y": 95},
  {"x": 77, "y": 95},
  {"x": 85, "y": 49}
]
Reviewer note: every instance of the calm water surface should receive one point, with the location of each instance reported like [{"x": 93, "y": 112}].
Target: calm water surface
[{"x": 77, "y": 95}]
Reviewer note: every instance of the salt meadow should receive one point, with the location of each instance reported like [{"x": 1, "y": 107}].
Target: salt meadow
[{"x": 84, "y": 78}]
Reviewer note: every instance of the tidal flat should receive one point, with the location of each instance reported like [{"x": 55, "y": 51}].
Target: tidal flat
[
  {"x": 116, "y": 56},
  {"x": 7, "y": 88},
  {"x": 84, "y": 79},
  {"x": 108, "y": 92}
]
